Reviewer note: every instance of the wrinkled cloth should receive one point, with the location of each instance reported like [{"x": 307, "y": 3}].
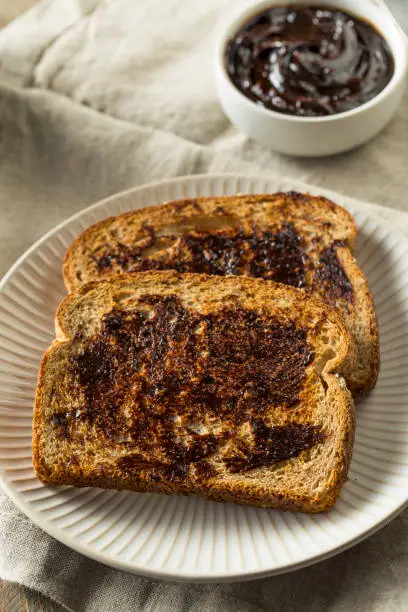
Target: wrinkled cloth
[{"x": 96, "y": 97}]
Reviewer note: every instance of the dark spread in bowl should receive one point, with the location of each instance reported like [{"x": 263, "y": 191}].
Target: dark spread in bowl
[{"x": 309, "y": 60}]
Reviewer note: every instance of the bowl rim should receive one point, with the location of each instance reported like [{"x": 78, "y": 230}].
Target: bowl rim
[{"x": 244, "y": 13}]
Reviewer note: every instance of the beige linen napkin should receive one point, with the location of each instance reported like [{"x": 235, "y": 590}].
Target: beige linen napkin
[{"x": 144, "y": 69}]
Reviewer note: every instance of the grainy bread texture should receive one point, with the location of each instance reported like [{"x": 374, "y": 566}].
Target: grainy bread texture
[
  {"x": 293, "y": 238},
  {"x": 191, "y": 384}
]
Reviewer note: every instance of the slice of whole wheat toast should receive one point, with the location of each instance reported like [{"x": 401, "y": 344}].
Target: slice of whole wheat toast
[
  {"x": 297, "y": 239},
  {"x": 187, "y": 383}
]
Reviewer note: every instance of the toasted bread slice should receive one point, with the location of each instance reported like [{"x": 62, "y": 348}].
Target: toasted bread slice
[
  {"x": 187, "y": 383},
  {"x": 297, "y": 239}
]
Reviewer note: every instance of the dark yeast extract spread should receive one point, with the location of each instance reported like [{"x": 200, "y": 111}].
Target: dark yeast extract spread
[
  {"x": 277, "y": 255},
  {"x": 309, "y": 61},
  {"x": 184, "y": 388}
]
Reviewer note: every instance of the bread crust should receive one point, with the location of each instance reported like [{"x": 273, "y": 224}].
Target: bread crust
[{"x": 82, "y": 311}]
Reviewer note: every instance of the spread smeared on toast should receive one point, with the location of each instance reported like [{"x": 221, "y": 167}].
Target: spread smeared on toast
[
  {"x": 277, "y": 255},
  {"x": 180, "y": 385},
  {"x": 273, "y": 444},
  {"x": 331, "y": 276}
]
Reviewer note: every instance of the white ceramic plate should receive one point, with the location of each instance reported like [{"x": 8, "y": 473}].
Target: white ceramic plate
[{"x": 190, "y": 538}]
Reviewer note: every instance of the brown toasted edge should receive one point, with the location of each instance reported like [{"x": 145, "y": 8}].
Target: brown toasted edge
[
  {"x": 188, "y": 203},
  {"x": 359, "y": 386},
  {"x": 37, "y": 413},
  {"x": 296, "y": 503}
]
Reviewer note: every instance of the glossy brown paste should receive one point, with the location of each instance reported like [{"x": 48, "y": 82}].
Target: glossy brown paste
[
  {"x": 274, "y": 255},
  {"x": 309, "y": 60},
  {"x": 330, "y": 276},
  {"x": 178, "y": 386},
  {"x": 278, "y": 255}
]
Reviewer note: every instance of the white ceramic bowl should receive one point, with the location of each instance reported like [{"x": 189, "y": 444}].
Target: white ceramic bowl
[{"x": 315, "y": 136}]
